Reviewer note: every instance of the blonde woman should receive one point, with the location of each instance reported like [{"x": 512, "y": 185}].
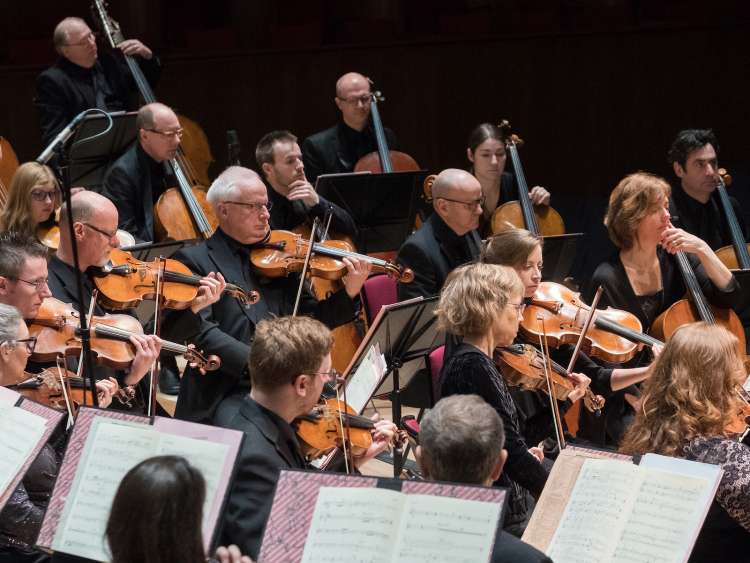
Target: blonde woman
[
  {"x": 688, "y": 404},
  {"x": 33, "y": 196}
]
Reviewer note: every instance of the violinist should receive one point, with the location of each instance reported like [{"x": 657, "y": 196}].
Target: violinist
[
  {"x": 23, "y": 273},
  {"x": 688, "y": 404},
  {"x": 82, "y": 79},
  {"x": 482, "y": 304},
  {"x": 290, "y": 361},
  {"x": 293, "y": 199},
  {"x": 136, "y": 180},
  {"x": 338, "y": 148},
  {"x": 448, "y": 238},
  {"x": 694, "y": 159},
  {"x": 240, "y": 200},
  {"x": 486, "y": 153},
  {"x": 33, "y": 196}
]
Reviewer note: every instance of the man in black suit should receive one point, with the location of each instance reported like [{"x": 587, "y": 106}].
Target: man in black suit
[
  {"x": 294, "y": 200},
  {"x": 137, "y": 179},
  {"x": 338, "y": 148},
  {"x": 464, "y": 427},
  {"x": 447, "y": 239},
  {"x": 289, "y": 363},
  {"x": 240, "y": 200},
  {"x": 80, "y": 79}
]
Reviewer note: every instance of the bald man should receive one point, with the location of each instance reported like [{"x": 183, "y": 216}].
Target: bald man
[
  {"x": 338, "y": 149},
  {"x": 137, "y": 179},
  {"x": 448, "y": 238},
  {"x": 82, "y": 78}
]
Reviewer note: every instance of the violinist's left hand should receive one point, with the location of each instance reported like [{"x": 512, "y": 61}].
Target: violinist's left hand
[
  {"x": 105, "y": 388},
  {"x": 382, "y": 435},
  {"x": 582, "y": 383},
  {"x": 147, "y": 348},
  {"x": 210, "y": 291},
  {"x": 135, "y": 47},
  {"x": 539, "y": 196},
  {"x": 357, "y": 273}
]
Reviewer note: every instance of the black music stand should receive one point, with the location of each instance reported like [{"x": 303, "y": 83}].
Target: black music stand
[
  {"x": 558, "y": 252},
  {"x": 383, "y": 206},
  {"x": 90, "y": 161},
  {"x": 147, "y": 251}
]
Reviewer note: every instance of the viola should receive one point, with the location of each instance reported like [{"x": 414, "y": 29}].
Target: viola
[
  {"x": 522, "y": 365},
  {"x": 559, "y": 313},
  {"x": 56, "y": 329},
  {"x": 284, "y": 252},
  {"x": 328, "y": 424},
  {"x": 126, "y": 281}
]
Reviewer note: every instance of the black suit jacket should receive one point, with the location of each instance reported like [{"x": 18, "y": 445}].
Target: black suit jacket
[
  {"x": 287, "y": 214},
  {"x": 509, "y": 549},
  {"x": 65, "y": 89},
  {"x": 432, "y": 253},
  {"x": 228, "y": 327}
]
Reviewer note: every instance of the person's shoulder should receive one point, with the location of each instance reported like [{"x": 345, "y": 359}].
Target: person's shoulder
[
  {"x": 607, "y": 270},
  {"x": 510, "y": 549}
]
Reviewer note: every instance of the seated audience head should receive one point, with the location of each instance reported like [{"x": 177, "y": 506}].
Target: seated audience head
[
  {"x": 486, "y": 152},
  {"x": 23, "y": 273},
  {"x": 638, "y": 211},
  {"x": 95, "y": 225},
  {"x": 289, "y": 363},
  {"x": 157, "y": 512},
  {"x": 458, "y": 428},
  {"x": 353, "y": 99},
  {"x": 76, "y": 42},
  {"x": 15, "y": 345},
  {"x": 240, "y": 200},
  {"x": 481, "y": 299},
  {"x": 694, "y": 159},
  {"x": 33, "y": 196},
  {"x": 520, "y": 250},
  {"x": 159, "y": 131},
  {"x": 279, "y": 157},
  {"x": 692, "y": 391},
  {"x": 457, "y": 198}
]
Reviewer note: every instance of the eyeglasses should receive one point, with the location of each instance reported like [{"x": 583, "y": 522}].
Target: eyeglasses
[
  {"x": 365, "y": 99},
  {"x": 256, "y": 207},
  {"x": 332, "y": 374},
  {"x": 520, "y": 307},
  {"x": 90, "y": 37},
  {"x": 469, "y": 204},
  {"x": 102, "y": 231},
  {"x": 44, "y": 195},
  {"x": 39, "y": 285},
  {"x": 30, "y": 343},
  {"x": 175, "y": 133}
]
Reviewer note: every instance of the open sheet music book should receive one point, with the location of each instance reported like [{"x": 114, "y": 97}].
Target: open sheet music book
[
  {"x": 617, "y": 511},
  {"x": 325, "y": 518},
  {"x": 104, "y": 446}
]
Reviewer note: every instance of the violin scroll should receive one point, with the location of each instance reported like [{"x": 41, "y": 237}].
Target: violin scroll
[
  {"x": 244, "y": 297},
  {"x": 198, "y": 360}
]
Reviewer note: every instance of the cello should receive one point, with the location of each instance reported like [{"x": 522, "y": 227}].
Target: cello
[
  {"x": 180, "y": 213},
  {"x": 8, "y": 166},
  {"x": 540, "y": 220},
  {"x": 736, "y": 255}
]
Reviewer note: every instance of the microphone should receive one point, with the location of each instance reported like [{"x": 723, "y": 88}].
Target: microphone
[
  {"x": 233, "y": 148},
  {"x": 61, "y": 138}
]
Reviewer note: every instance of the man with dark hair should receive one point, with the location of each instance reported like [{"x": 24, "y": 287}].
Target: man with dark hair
[
  {"x": 82, "y": 79},
  {"x": 293, "y": 199},
  {"x": 461, "y": 428},
  {"x": 338, "y": 148},
  {"x": 289, "y": 363},
  {"x": 136, "y": 180},
  {"x": 694, "y": 159},
  {"x": 23, "y": 273}
]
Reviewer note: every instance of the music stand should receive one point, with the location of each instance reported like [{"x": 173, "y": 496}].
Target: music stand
[
  {"x": 558, "y": 252},
  {"x": 383, "y": 206},
  {"x": 147, "y": 251},
  {"x": 90, "y": 161}
]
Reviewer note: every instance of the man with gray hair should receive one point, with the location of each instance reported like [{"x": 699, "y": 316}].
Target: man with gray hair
[
  {"x": 448, "y": 238},
  {"x": 82, "y": 79},
  {"x": 461, "y": 441}
]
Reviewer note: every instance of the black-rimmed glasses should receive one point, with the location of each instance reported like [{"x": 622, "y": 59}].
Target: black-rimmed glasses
[
  {"x": 469, "y": 204},
  {"x": 176, "y": 133},
  {"x": 39, "y": 285},
  {"x": 29, "y": 342},
  {"x": 256, "y": 207},
  {"x": 101, "y": 231}
]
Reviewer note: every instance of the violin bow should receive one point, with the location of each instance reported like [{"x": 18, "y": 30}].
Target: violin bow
[
  {"x": 153, "y": 372},
  {"x": 66, "y": 391},
  {"x": 544, "y": 350},
  {"x": 306, "y": 265},
  {"x": 345, "y": 430},
  {"x": 586, "y": 326}
]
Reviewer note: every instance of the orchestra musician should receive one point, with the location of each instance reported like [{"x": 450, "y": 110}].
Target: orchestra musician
[
  {"x": 33, "y": 196},
  {"x": 460, "y": 428},
  {"x": 136, "y": 180},
  {"x": 81, "y": 79},
  {"x": 23, "y": 273},
  {"x": 486, "y": 152},
  {"x": 289, "y": 363},
  {"x": 482, "y": 304},
  {"x": 694, "y": 159},
  {"x": 293, "y": 200},
  {"x": 240, "y": 201},
  {"x": 338, "y": 148},
  {"x": 448, "y": 238},
  {"x": 688, "y": 404}
]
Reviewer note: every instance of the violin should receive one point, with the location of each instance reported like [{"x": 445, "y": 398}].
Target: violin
[
  {"x": 540, "y": 220},
  {"x": 522, "y": 365},
  {"x": 126, "y": 281},
  {"x": 284, "y": 252},
  {"x": 56, "y": 329},
  {"x": 560, "y": 313},
  {"x": 327, "y": 425}
]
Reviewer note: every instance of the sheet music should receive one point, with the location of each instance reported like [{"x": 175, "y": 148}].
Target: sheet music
[
  {"x": 363, "y": 382},
  {"x": 20, "y": 432},
  {"x": 8, "y": 396},
  {"x": 441, "y": 529}
]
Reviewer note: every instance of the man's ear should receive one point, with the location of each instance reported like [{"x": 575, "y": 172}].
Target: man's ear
[
  {"x": 301, "y": 385},
  {"x": 678, "y": 169},
  {"x": 337, "y": 101},
  {"x": 78, "y": 230},
  {"x": 499, "y": 464},
  {"x": 267, "y": 169},
  {"x": 4, "y": 285},
  {"x": 6, "y": 349}
]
